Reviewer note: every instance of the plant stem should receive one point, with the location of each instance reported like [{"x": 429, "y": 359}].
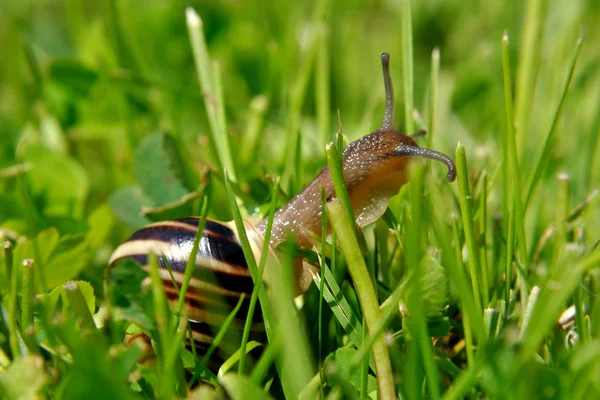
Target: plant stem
[
  {"x": 407, "y": 66},
  {"x": 344, "y": 229},
  {"x": 467, "y": 218}
]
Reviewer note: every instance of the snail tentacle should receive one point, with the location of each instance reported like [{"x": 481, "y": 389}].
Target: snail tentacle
[
  {"x": 388, "y": 116},
  {"x": 416, "y": 151}
]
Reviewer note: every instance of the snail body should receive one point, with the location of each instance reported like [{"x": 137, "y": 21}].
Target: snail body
[{"x": 374, "y": 168}]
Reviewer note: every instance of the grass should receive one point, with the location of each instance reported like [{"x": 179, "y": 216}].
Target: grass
[{"x": 115, "y": 117}]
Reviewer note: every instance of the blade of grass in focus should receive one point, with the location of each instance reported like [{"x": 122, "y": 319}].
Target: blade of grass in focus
[
  {"x": 342, "y": 220},
  {"x": 433, "y": 94},
  {"x": 209, "y": 77},
  {"x": 259, "y": 278},
  {"x": 467, "y": 220},
  {"x": 512, "y": 176}
]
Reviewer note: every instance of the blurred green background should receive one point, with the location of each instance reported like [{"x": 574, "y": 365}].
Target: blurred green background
[{"x": 90, "y": 79}]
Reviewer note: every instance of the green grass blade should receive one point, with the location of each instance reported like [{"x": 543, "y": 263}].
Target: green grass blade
[
  {"x": 344, "y": 228},
  {"x": 526, "y": 70},
  {"x": 27, "y": 297},
  {"x": 417, "y": 324},
  {"x": 13, "y": 335},
  {"x": 258, "y": 285},
  {"x": 260, "y": 370},
  {"x": 545, "y": 154},
  {"x": 531, "y": 303},
  {"x": 463, "y": 384},
  {"x": 321, "y": 286},
  {"x": 433, "y": 93},
  {"x": 223, "y": 134},
  {"x": 467, "y": 219},
  {"x": 254, "y": 125},
  {"x": 211, "y": 86},
  {"x": 288, "y": 380},
  {"x": 221, "y": 334},
  {"x": 335, "y": 167},
  {"x": 510, "y": 244},
  {"x": 512, "y": 176},
  {"x": 552, "y": 299},
  {"x": 79, "y": 307},
  {"x": 236, "y": 357},
  {"x": 161, "y": 312},
  {"x": 483, "y": 204},
  {"x": 8, "y": 259},
  {"x": 452, "y": 260},
  {"x": 563, "y": 207},
  {"x": 322, "y": 83},
  {"x": 295, "y": 352},
  {"x": 407, "y": 66},
  {"x": 333, "y": 296},
  {"x": 190, "y": 266}
]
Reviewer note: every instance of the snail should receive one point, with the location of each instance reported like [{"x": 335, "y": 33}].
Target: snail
[{"x": 374, "y": 168}]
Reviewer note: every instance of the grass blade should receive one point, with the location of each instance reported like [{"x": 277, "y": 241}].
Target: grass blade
[
  {"x": 209, "y": 78},
  {"x": 467, "y": 218},
  {"x": 545, "y": 154},
  {"x": 333, "y": 296},
  {"x": 190, "y": 266},
  {"x": 512, "y": 177},
  {"x": 27, "y": 297},
  {"x": 433, "y": 93},
  {"x": 161, "y": 312},
  {"x": 292, "y": 381},
  {"x": 552, "y": 299},
  {"x": 407, "y": 67},
  {"x": 344, "y": 229},
  {"x": 79, "y": 307},
  {"x": 322, "y": 83},
  {"x": 13, "y": 335},
  {"x": 258, "y": 284},
  {"x": 528, "y": 61}
]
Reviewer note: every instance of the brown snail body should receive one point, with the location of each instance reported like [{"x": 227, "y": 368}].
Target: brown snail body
[{"x": 374, "y": 168}]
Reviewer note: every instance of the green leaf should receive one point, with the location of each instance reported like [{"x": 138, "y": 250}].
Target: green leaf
[
  {"x": 73, "y": 76},
  {"x": 342, "y": 359},
  {"x": 68, "y": 259},
  {"x": 62, "y": 258},
  {"x": 59, "y": 292},
  {"x": 24, "y": 378},
  {"x": 46, "y": 242},
  {"x": 100, "y": 226},
  {"x": 127, "y": 204},
  {"x": 51, "y": 134},
  {"x": 178, "y": 162},
  {"x": 241, "y": 387},
  {"x": 343, "y": 312},
  {"x": 61, "y": 180},
  {"x": 434, "y": 287},
  {"x": 65, "y": 224},
  {"x": 154, "y": 172},
  {"x": 88, "y": 295},
  {"x": 10, "y": 207},
  {"x": 180, "y": 208}
]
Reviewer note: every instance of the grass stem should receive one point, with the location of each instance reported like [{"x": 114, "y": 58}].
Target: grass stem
[
  {"x": 344, "y": 229},
  {"x": 467, "y": 219}
]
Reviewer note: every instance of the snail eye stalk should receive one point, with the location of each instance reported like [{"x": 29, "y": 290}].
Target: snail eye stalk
[
  {"x": 388, "y": 116},
  {"x": 415, "y": 151}
]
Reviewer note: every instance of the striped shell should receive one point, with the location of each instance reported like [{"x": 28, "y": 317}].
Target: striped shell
[{"x": 220, "y": 277}]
